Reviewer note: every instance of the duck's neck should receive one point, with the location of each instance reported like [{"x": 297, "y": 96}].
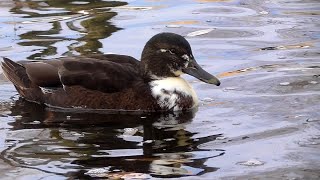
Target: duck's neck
[{"x": 171, "y": 91}]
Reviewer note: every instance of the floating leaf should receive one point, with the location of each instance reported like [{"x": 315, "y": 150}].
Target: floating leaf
[{"x": 200, "y": 32}]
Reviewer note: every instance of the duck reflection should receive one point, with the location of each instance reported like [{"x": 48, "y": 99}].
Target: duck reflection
[
  {"x": 78, "y": 25},
  {"x": 72, "y": 144}
]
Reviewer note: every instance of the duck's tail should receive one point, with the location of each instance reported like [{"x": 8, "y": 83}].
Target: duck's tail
[{"x": 17, "y": 74}]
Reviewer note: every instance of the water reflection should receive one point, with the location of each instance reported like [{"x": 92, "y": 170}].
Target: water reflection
[
  {"x": 82, "y": 23},
  {"x": 74, "y": 143}
]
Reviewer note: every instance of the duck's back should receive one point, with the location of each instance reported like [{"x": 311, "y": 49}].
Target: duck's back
[
  {"x": 105, "y": 73},
  {"x": 94, "y": 82}
]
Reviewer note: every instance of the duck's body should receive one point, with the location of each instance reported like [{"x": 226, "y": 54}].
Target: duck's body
[{"x": 111, "y": 81}]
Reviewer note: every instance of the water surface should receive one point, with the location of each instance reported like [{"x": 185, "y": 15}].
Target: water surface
[{"x": 266, "y": 111}]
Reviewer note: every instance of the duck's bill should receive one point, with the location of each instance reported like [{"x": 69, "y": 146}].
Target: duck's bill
[{"x": 196, "y": 71}]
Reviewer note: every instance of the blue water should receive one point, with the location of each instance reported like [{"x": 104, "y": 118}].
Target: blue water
[{"x": 266, "y": 54}]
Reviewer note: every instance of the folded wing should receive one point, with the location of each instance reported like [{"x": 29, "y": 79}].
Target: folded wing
[{"x": 105, "y": 73}]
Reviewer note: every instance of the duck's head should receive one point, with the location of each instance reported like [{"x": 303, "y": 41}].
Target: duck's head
[{"x": 170, "y": 55}]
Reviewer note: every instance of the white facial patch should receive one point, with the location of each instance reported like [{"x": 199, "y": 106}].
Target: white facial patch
[
  {"x": 186, "y": 57},
  {"x": 165, "y": 90},
  {"x": 163, "y": 50}
]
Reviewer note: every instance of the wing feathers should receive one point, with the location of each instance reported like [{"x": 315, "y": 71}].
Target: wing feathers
[
  {"x": 107, "y": 73},
  {"x": 16, "y": 73},
  {"x": 107, "y": 76}
]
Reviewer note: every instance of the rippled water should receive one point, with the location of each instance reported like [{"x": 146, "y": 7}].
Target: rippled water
[{"x": 265, "y": 114}]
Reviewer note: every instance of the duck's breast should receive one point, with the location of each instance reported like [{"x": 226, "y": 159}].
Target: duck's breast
[{"x": 173, "y": 93}]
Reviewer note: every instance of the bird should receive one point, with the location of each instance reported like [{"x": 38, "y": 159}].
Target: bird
[{"x": 113, "y": 81}]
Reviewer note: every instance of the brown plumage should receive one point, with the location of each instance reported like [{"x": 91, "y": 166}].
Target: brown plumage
[
  {"x": 110, "y": 81},
  {"x": 85, "y": 82}
]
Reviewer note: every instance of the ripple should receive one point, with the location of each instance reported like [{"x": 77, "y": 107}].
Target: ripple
[
  {"x": 299, "y": 33},
  {"x": 226, "y": 11},
  {"x": 223, "y": 33},
  {"x": 268, "y": 51},
  {"x": 221, "y": 21}
]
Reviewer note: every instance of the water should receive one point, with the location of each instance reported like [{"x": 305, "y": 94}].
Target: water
[{"x": 266, "y": 111}]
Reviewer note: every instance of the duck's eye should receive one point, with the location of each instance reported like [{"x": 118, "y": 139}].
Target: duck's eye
[{"x": 172, "y": 51}]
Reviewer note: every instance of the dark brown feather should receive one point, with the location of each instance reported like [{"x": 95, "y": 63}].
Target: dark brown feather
[
  {"x": 94, "y": 82},
  {"x": 16, "y": 73},
  {"x": 43, "y": 74},
  {"x": 108, "y": 76},
  {"x": 104, "y": 81}
]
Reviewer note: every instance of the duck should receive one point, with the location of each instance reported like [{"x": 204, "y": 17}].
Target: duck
[{"x": 113, "y": 81}]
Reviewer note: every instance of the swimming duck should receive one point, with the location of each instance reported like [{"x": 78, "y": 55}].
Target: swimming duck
[{"x": 112, "y": 81}]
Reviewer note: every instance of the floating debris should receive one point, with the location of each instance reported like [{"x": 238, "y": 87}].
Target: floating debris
[
  {"x": 245, "y": 137},
  {"x": 264, "y": 12},
  {"x": 148, "y": 141},
  {"x": 207, "y": 99},
  {"x": 200, "y": 32},
  {"x": 237, "y": 72},
  {"x": 294, "y": 46},
  {"x": 230, "y": 88},
  {"x": 221, "y": 138},
  {"x": 83, "y": 12},
  {"x": 129, "y": 131},
  {"x": 284, "y": 83},
  {"x": 307, "y": 143},
  {"x": 313, "y": 82},
  {"x": 246, "y": 69},
  {"x": 33, "y": 122},
  {"x": 173, "y": 26},
  {"x": 251, "y": 162},
  {"x": 312, "y": 120},
  {"x": 98, "y": 172},
  {"x": 314, "y": 67},
  {"x": 272, "y": 48}
]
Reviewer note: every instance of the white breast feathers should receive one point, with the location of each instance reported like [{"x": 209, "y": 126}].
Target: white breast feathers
[{"x": 167, "y": 91}]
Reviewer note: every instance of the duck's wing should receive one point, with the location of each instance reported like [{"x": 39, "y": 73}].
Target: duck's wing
[{"x": 106, "y": 73}]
